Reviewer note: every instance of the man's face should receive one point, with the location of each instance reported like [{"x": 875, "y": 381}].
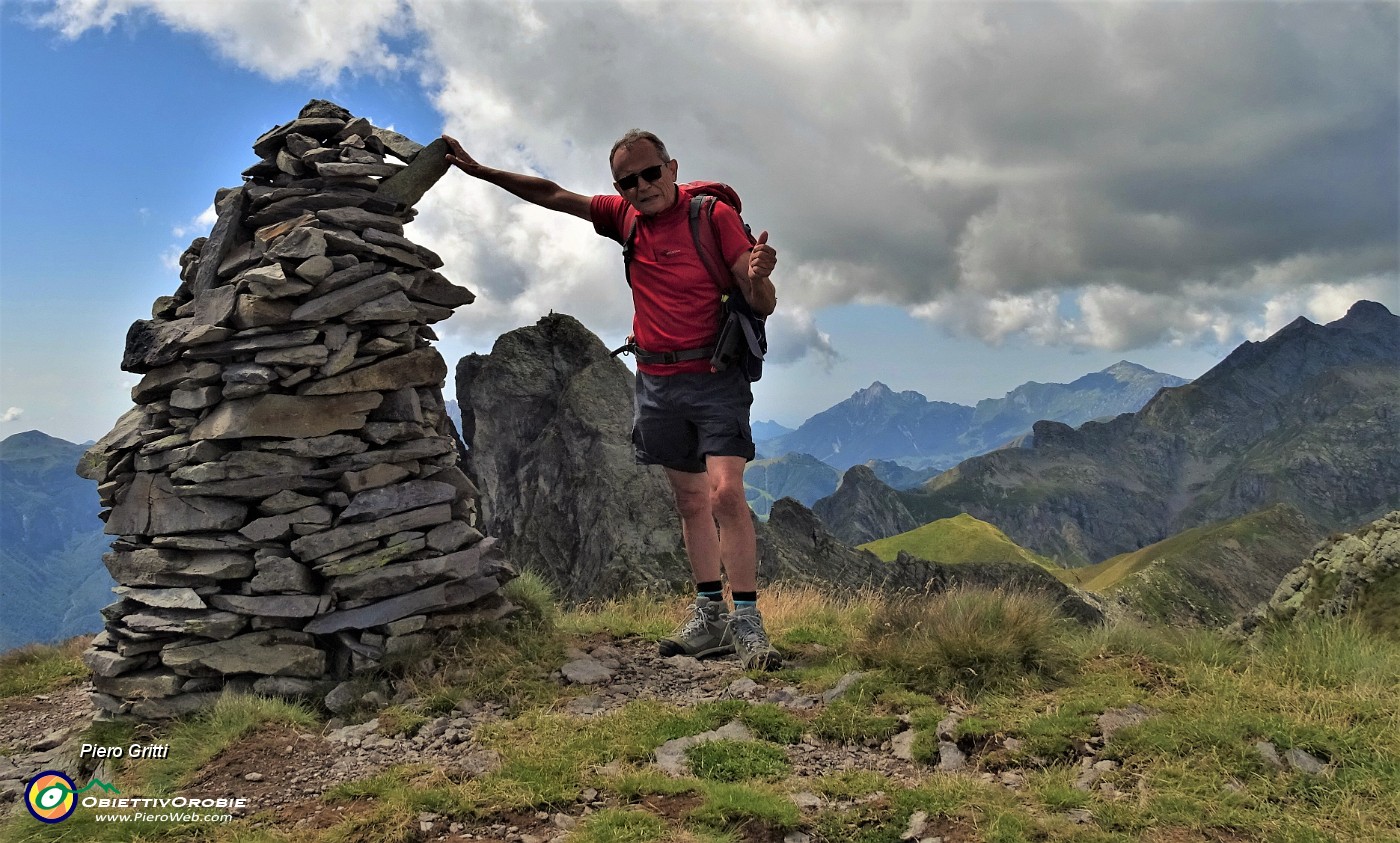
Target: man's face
[{"x": 641, "y": 159}]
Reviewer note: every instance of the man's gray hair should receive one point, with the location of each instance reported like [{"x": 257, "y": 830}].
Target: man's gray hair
[{"x": 635, "y": 135}]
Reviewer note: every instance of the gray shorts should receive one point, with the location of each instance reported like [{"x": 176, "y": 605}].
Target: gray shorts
[{"x": 681, "y": 419}]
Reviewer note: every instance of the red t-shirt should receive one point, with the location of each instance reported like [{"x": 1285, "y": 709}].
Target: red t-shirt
[{"x": 675, "y": 300}]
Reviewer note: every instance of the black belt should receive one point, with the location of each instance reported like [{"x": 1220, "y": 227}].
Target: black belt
[{"x": 654, "y": 357}]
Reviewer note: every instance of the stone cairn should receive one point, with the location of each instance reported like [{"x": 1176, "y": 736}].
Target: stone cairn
[{"x": 286, "y": 495}]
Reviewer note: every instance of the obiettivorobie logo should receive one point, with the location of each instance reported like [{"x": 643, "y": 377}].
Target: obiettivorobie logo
[{"x": 51, "y": 796}]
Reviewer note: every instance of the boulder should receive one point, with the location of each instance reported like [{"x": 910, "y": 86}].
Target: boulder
[{"x": 549, "y": 409}]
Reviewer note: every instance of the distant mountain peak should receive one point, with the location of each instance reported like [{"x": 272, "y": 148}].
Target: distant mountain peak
[
  {"x": 1127, "y": 367},
  {"x": 32, "y": 436},
  {"x": 31, "y": 443},
  {"x": 1368, "y": 313},
  {"x": 1292, "y": 352}
]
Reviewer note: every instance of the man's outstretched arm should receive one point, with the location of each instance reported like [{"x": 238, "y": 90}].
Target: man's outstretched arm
[{"x": 533, "y": 189}]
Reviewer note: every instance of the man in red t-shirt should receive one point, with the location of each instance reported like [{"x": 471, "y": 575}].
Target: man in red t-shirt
[{"x": 690, "y": 420}]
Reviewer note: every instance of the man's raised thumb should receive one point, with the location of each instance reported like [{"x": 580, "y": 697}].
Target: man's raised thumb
[{"x": 762, "y": 238}]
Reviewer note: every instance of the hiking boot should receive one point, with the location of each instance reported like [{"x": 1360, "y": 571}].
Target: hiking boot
[
  {"x": 702, "y": 633},
  {"x": 751, "y": 641}
]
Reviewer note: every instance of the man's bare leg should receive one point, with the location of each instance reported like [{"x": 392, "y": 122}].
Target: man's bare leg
[
  {"x": 738, "y": 545},
  {"x": 702, "y": 545},
  {"x": 704, "y": 630},
  {"x": 719, "y": 537}
]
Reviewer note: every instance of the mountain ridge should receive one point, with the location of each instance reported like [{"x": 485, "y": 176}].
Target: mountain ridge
[
  {"x": 917, "y": 432},
  {"x": 51, "y": 542},
  {"x": 1307, "y": 417}
]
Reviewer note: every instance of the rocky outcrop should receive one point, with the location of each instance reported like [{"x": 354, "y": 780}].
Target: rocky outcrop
[
  {"x": 1352, "y": 574},
  {"x": 286, "y": 494},
  {"x": 1309, "y": 418},
  {"x": 547, "y": 417},
  {"x": 863, "y": 509},
  {"x": 794, "y": 546}
]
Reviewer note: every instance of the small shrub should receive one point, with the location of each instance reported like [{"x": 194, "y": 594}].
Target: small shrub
[
  {"x": 539, "y": 606},
  {"x": 969, "y": 639}
]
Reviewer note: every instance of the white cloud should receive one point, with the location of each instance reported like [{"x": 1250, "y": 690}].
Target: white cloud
[
  {"x": 793, "y": 334},
  {"x": 1068, "y": 173},
  {"x": 200, "y": 225},
  {"x": 1026, "y": 240},
  {"x": 996, "y": 318},
  {"x": 197, "y": 227},
  {"x": 1095, "y": 175},
  {"x": 320, "y": 38},
  {"x": 11, "y": 414}
]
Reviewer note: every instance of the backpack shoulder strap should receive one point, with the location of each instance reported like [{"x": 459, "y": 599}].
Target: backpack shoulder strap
[
  {"x": 629, "y": 246},
  {"x": 706, "y": 241}
]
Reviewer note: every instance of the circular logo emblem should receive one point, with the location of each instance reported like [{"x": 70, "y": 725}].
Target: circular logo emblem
[{"x": 49, "y": 797}]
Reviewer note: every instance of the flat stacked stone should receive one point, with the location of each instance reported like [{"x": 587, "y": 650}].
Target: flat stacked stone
[{"x": 285, "y": 494}]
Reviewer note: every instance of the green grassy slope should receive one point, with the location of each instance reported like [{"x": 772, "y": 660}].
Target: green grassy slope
[
  {"x": 1208, "y": 573},
  {"x": 961, "y": 538}
]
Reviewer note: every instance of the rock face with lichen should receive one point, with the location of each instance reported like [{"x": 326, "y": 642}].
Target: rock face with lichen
[
  {"x": 548, "y": 416},
  {"x": 1355, "y": 573},
  {"x": 285, "y": 495}
]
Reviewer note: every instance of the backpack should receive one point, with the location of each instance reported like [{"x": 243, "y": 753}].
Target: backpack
[{"x": 742, "y": 339}]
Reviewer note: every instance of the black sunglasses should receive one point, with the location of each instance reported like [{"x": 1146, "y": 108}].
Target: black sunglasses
[{"x": 651, "y": 174}]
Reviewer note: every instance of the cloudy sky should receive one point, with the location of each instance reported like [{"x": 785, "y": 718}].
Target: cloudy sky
[{"x": 964, "y": 196}]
